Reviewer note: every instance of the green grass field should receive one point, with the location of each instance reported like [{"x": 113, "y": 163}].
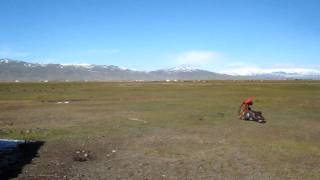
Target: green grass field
[{"x": 157, "y": 130}]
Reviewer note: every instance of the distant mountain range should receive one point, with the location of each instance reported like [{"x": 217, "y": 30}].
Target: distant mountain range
[{"x": 13, "y": 70}]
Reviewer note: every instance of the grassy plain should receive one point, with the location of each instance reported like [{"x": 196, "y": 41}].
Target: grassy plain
[{"x": 157, "y": 130}]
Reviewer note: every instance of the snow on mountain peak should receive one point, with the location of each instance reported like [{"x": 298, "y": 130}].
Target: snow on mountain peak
[
  {"x": 82, "y": 65},
  {"x": 252, "y": 71},
  {"x": 183, "y": 68},
  {"x": 6, "y": 61}
]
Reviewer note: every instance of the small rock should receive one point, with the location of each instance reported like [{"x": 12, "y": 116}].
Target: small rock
[{"x": 81, "y": 156}]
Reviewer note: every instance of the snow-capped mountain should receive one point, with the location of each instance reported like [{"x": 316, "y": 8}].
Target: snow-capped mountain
[
  {"x": 182, "y": 68},
  {"x": 12, "y": 70},
  {"x": 185, "y": 72},
  {"x": 276, "y": 73},
  {"x": 285, "y": 75}
]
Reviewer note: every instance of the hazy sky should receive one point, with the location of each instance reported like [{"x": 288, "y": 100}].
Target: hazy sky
[{"x": 218, "y": 35}]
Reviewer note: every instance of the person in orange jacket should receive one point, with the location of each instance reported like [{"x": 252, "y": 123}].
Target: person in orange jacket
[
  {"x": 246, "y": 113},
  {"x": 245, "y": 109}
]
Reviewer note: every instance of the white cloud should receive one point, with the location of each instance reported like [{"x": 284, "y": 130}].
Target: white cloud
[{"x": 197, "y": 58}]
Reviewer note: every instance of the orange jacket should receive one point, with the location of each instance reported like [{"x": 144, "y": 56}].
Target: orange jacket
[{"x": 245, "y": 107}]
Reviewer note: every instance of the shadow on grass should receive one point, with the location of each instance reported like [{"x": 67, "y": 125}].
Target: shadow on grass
[
  {"x": 14, "y": 155},
  {"x": 257, "y": 121}
]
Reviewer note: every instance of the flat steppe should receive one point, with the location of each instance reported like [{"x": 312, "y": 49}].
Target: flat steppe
[{"x": 165, "y": 130}]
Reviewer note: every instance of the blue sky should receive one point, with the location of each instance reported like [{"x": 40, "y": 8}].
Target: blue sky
[{"x": 222, "y": 36}]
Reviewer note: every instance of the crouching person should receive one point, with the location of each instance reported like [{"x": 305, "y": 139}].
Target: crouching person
[{"x": 246, "y": 113}]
